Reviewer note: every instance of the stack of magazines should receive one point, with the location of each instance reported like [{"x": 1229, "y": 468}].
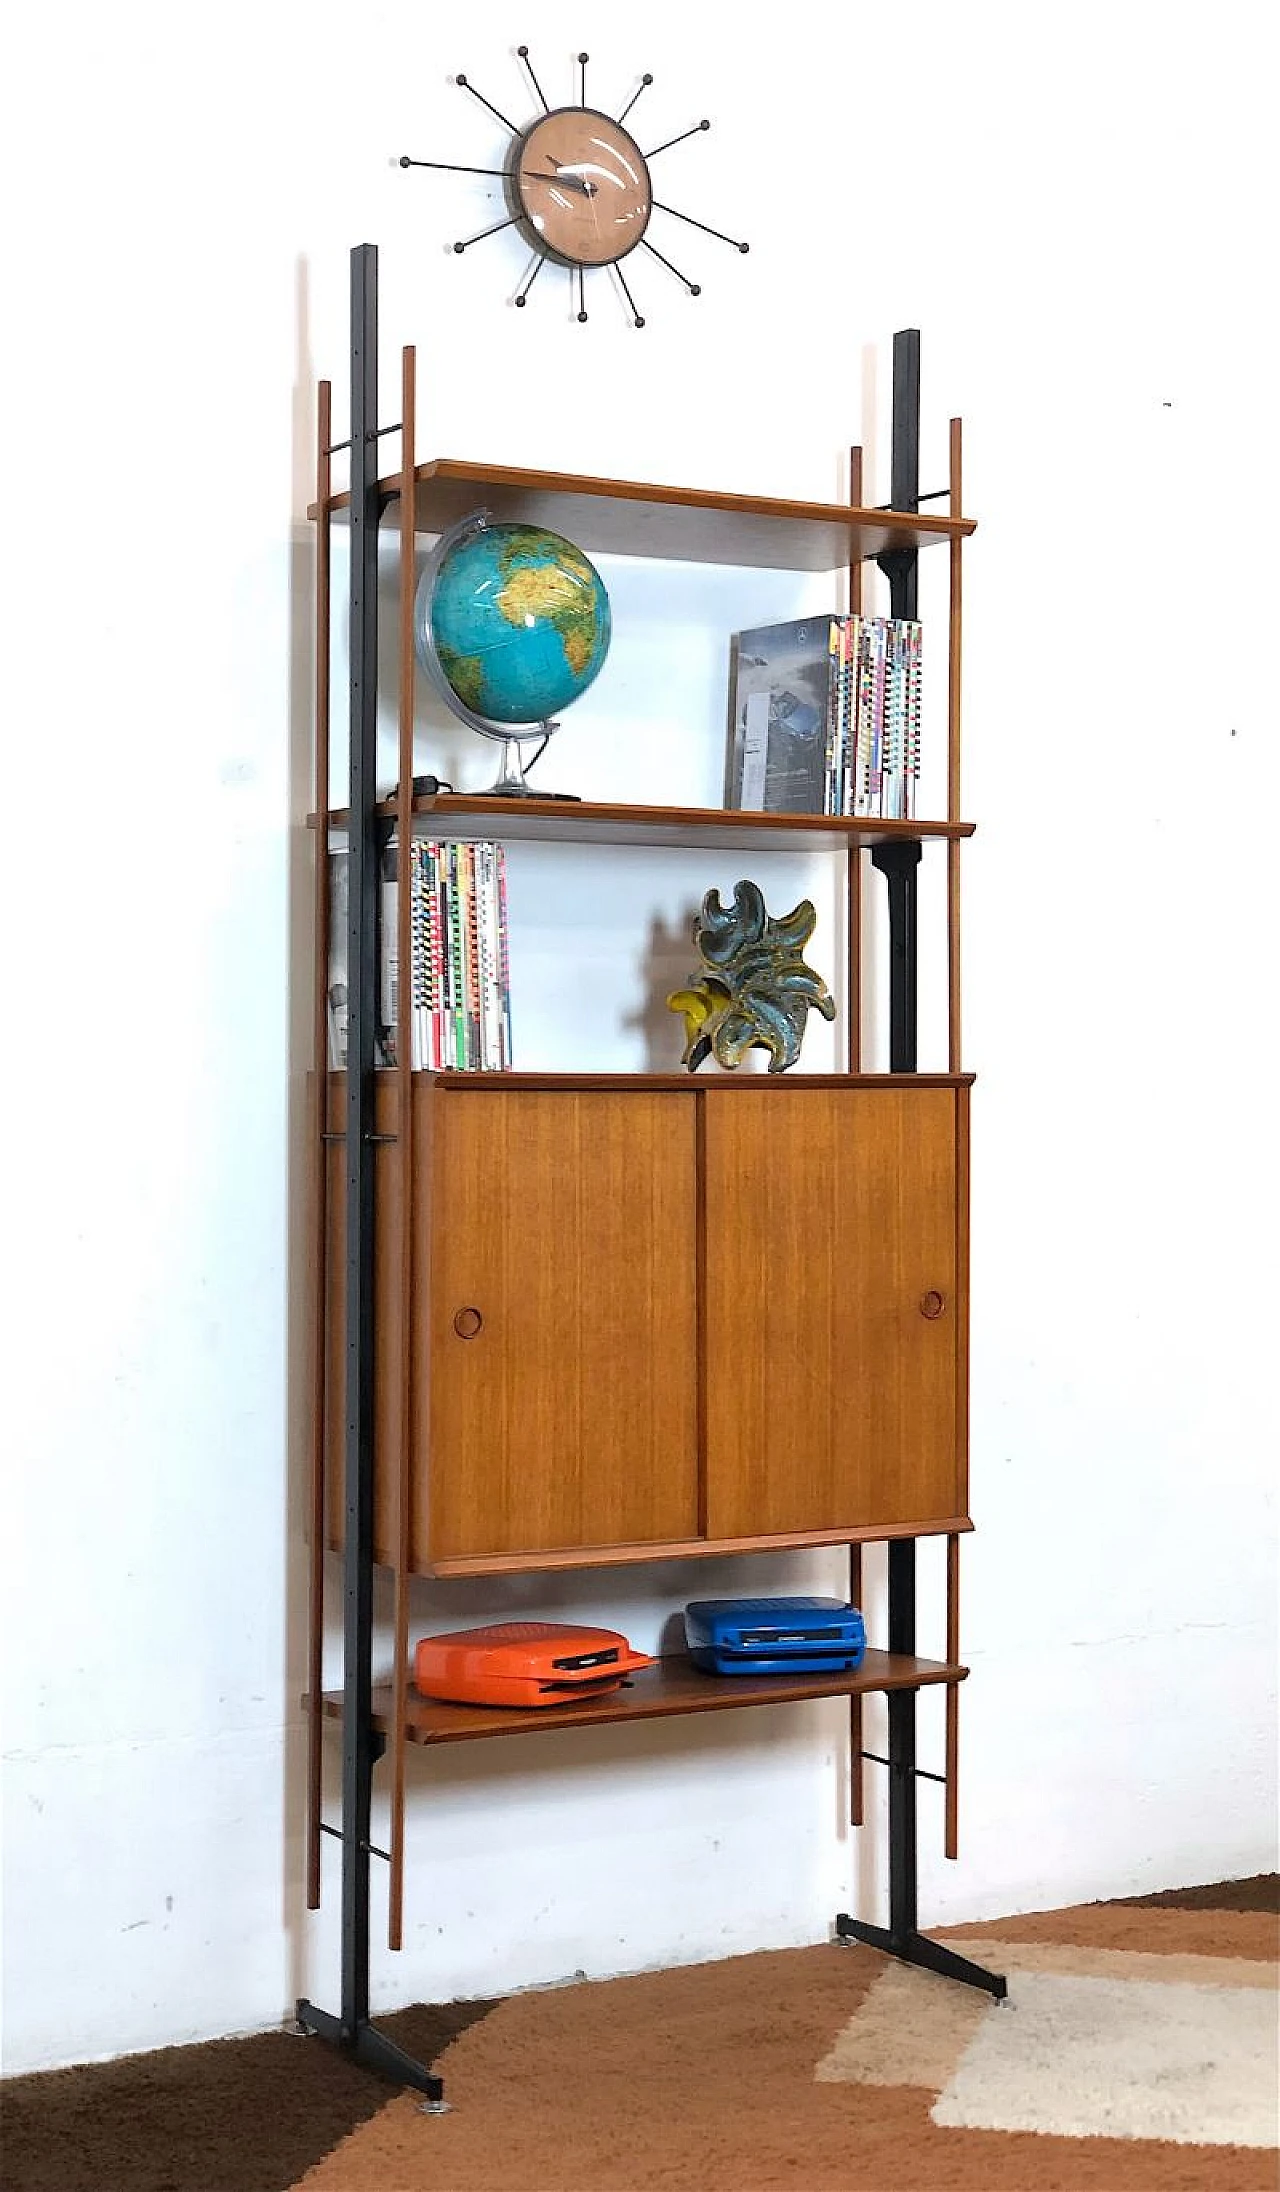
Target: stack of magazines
[
  {"x": 460, "y": 980},
  {"x": 825, "y": 716}
]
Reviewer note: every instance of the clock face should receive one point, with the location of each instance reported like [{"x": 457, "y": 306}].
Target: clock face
[{"x": 581, "y": 186}]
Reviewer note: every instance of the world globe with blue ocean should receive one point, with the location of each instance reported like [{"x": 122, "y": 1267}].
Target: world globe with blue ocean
[{"x": 517, "y": 620}]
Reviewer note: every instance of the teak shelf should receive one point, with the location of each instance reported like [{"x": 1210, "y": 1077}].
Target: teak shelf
[
  {"x": 673, "y": 1686},
  {"x": 679, "y": 524},
  {"x": 582, "y": 1319},
  {"x": 469, "y": 815}
]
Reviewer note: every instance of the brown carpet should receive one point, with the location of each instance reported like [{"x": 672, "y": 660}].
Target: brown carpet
[
  {"x": 827, "y": 2069},
  {"x": 230, "y": 2116}
]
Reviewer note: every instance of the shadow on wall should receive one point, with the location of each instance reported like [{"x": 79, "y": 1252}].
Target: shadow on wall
[{"x": 670, "y": 957}]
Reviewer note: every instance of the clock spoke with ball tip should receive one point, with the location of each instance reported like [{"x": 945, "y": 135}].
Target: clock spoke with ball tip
[
  {"x": 696, "y": 131},
  {"x": 523, "y": 52},
  {"x": 538, "y": 263},
  {"x": 464, "y": 84}
]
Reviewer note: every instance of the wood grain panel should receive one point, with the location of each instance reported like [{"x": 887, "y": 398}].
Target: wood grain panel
[
  {"x": 831, "y": 1397},
  {"x": 699, "y": 1548},
  {"x": 962, "y": 1296},
  {"x": 566, "y": 1220}
]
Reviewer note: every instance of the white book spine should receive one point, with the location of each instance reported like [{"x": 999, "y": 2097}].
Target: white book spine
[{"x": 755, "y": 749}]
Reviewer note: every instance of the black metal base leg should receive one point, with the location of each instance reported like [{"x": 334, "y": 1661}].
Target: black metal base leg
[
  {"x": 916, "y": 1948},
  {"x": 374, "y": 2051}
]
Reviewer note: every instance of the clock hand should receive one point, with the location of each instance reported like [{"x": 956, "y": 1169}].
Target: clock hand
[{"x": 565, "y": 178}]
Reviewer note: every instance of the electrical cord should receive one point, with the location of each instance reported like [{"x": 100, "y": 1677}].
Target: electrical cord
[{"x": 426, "y": 787}]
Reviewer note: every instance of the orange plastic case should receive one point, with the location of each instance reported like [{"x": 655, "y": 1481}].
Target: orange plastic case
[{"x": 524, "y": 1663}]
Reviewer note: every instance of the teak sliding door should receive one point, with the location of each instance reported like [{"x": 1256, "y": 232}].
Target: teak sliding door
[
  {"x": 562, "y": 1321},
  {"x": 833, "y": 1314}
]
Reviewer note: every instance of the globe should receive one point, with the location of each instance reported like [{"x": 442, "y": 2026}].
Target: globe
[{"x": 512, "y": 623}]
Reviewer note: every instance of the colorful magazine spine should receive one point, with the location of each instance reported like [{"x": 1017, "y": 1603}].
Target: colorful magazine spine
[
  {"x": 913, "y": 715},
  {"x": 867, "y": 738},
  {"x": 490, "y": 974},
  {"x": 831, "y": 772},
  {"x": 851, "y": 632},
  {"x": 475, "y": 990},
  {"x": 458, "y": 1015},
  {"x": 504, "y": 957},
  {"x": 459, "y": 966}
]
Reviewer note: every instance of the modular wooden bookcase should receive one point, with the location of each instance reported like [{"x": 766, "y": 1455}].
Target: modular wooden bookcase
[{"x": 569, "y": 1320}]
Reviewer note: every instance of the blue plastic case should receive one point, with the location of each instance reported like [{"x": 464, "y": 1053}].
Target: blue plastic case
[{"x": 774, "y": 1635}]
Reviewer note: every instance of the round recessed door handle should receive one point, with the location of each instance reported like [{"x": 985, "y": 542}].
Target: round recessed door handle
[
  {"x": 933, "y": 1303},
  {"x": 467, "y": 1323}
]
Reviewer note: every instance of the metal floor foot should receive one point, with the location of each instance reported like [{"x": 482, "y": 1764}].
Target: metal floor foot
[
  {"x": 916, "y": 1948},
  {"x": 371, "y": 2048}
]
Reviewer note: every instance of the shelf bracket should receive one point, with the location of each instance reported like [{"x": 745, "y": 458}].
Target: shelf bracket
[{"x": 899, "y": 864}]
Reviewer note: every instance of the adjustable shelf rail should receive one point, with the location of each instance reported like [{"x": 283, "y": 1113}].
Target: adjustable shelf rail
[{"x": 374, "y": 1724}]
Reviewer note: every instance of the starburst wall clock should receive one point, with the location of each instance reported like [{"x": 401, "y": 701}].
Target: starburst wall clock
[{"x": 579, "y": 190}]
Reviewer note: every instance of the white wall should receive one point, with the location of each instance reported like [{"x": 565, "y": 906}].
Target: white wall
[{"x": 1073, "y": 208}]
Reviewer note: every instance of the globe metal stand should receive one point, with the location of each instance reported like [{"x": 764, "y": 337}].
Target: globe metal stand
[{"x": 512, "y": 782}]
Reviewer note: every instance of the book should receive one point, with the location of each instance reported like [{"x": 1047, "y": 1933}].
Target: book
[
  {"x": 388, "y": 955},
  {"x": 825, "y": 717},
  {"x": 336, "y": 985},
  {"x": 779, "y": 750},
  {"x": 459, "y": 964},
  {"x": 336, "y": 994}
]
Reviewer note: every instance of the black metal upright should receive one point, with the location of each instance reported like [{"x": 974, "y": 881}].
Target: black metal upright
[
  {"x": 362, "y": 1745},
  {"x": 903, "y": 1906},
  {"x": 899, "y": 863},
  {"x": 901, "y": 565},
  {"x": 362, "y": 976}
]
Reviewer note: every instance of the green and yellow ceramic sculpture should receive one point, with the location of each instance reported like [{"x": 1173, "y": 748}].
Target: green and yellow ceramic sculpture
[{"x": 756, "y": 991}]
